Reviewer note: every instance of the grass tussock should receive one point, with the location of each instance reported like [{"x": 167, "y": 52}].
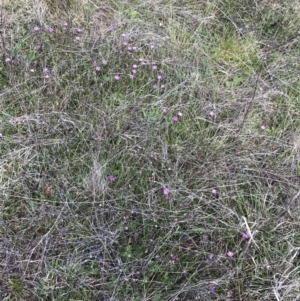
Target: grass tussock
[{"x": 149, "y": 150}]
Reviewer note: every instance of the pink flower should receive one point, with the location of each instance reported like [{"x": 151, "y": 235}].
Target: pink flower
[
  {"x": 125, "y": 43},
  {"x": 104, "y": 62},
  {"x": 214, "y": 191},
  {"x": 159, "y": 76},
  {"x": 117, "y": 77},
  {"x": 123, "y": 35},
  {"x": 154, "y": 67},
  {"x": 7, "y": 60},
  {"x": 37, "y": 47},
  {"x": 45, "y": 69},
  {"x": 212, "y": 288},
  {"x": 151, "y": 46},
  {"x": 77, "y": 38},
  {"x": 155, "y": 86},
  {"x": 131, "y": 76},
  {"x": 111, "y": 178},
  {"x": 166, "y": 192},
  {"x": 79, "y": 30},
  {"x": 164, "y": 110},
  {"x": 50, "y": 29},
  {"x": 211, "y": 256},
  {"x": 175, "y": 119},
  {"x": 98, "y": 68},
  {"x": 135, "y": 48},
  {"x": 262, "y": 127},
  {"x": 36, "y": 28},
  {"x": 230, "y": 254},
  {"x": 31, "y": 70},
  {"x": 167, "y": 37},
  {"x": 245, "y": 235},
  {"x": 211, "y": 114},
  {"x": 134, "y": 66},
  {"x": 65, "y": 24},
  {"x": 179, "y": 114}
]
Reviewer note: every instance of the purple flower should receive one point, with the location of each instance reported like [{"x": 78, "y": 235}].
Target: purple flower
[
  {"x": 211, "y": 114},
  {"x": 123, "y": 35},
  {"x": 133, "y": 71},
  {"x": 155, "y": 86},
  {"x": 245, "y": 236},
  {"x": 175, "y": 119},
  {"x": 166, "y": 192},
  {"x": 230, "y": 254},
  {"x": 111, "y": 178},
  {"x": 167, "y": 37},
  {"x": 36, "y": 28},
  {"x": 77, "y": 38},
  {"x": 135, "y": 48},
  {"x": 117, "y": 77},
  {"x": 129, "y": 48},
  {"x": 38, "y": 47},
  {"x": 50, "y": 29},
  {"x": 214, "y": 191},
  {"x": 7, "y": 60},
  {"x": 179, "y": 114},
  {"x": 79, "y": 30},
  {"x": 164, "y": 110},
  {"x": 212, "y": 288},
  {"x": 134, "y": 66},
  {"x": 98, "y": 68},
  {"x": 262, "y": 127},
  {"x": 159, "y": 76},
  {"x": 125, "y": 43},
  {"x": 211, "y": 256},
  {"x": 65, "y": 24},
  {"x": 131, "y": 76},
  {"x": 154, "y": 67},
  {"x": 174, "y": 257},
  {"x": 151, "y": 46},
  {"x": 104, "y": 62},
  {"x": 100, "y": 260}
]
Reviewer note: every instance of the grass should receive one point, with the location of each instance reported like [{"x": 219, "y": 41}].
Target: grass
[{"x": 180, "y": 183}]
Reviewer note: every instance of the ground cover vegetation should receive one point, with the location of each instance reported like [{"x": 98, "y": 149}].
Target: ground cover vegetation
[{"x": 149, "y": 150}]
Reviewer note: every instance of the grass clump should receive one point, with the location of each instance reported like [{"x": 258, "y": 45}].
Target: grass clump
[{"x": 149, "y": 151}]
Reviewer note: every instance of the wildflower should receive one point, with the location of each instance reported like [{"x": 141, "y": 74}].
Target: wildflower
[
  {"x": 135, "y": 48},
  {"x": 31, "y": 70},
  {"x": 211, "y": 114},
  {"x": 164, "y": 110},
  {"x": 173, "y": 257},
  {"x": 65, "y": 24},
  {"x": 184, "y": 271},
  {"x": 140, "y": 59},
  {"x": 179, "y": 114},
  {"x": 133, "y": 71},
  {"x": 36, "y": 28},
  {"x": 100, "y": 260},
  {"x": 123, "y": 35},
  {"x": 211, "y": 256},
  {"x": 155, "y": 86},
  {"x": 47, "y": 190},
  {"x": 111, "y": 178},
  {"x": 175, "y": 119},
  {"x": 159, "y": 76},
  {"x": 117, "y": 77},
  {"x": 212, "y": 288},
  {"x": 125, "y": 43},
  {"x": 134, "y": 66},
  {"x": 38, "y": 47},
  {"x": 245, "y": 235},
  {"x": 167, "y": 38},
  {"x": 7, "y": 59},
  {"x": 129, "y": 48},
  {"x": 151, "y": 46},
  {"x": 77, "y": 38},
  {"x": 98, "y": 68},
  {"x": 45, "y": 69},
  {"x": 162, "y": 86},
  {"x": 50, "y": 29},
  {"x": 104, "y": 62},
  {"x": 79, "y": 30},
  {"x": 154, "y": 67},
  {"x": 230, "y": 254},
  {"x": 262, "y": 127},
  {"x": 46, "y": 76},
  {"x": 214, "y": 191},
  {"x": 166, "y": 192},
  {"x": 131, "y": 76}
]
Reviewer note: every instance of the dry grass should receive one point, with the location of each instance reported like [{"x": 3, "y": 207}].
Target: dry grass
[{"x": 230, "y": 163}]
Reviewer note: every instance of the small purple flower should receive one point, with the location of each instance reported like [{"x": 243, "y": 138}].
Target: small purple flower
[
  {"x": 131, "y": 76},
  {"x": 211, "y": 114},
  {"x": 214, "y": 191},
  {"x": 98, "y": 68},
  {"x": 212, "y": 288},
  {"x": 175, "y": 119},
  {"x": 135, "y": 48},
  {"x": 45, "y": 69},
  {"x": 32, "y": 70},
  {"x": 79, "y": 30},
  {"x": 100, "y": 260},
  {"x": 38, "y": 47},
  {"x": 164, "y": 110},
  {"x": 125, "y": 43},
  {"x": 123, "y": 35},
  {"x": 245, "y": 236},
  {"x": 133, "y": 71},
  {"x": 179, "y": 114},
  {"x": 140, "y": 59},
  {"x": 262, "y": 127},
  {"x": 77, "y": 38},
  {"x": 129, "y": 48},
  {"x": 7, "y": 59},
  {"x": 46, "y": 75},
  {"x": 151, "y": 46},
  {"x": 134, "y": 66},
  {"x": 167, "y": 38},
  {"x": 65, "y": 24},
  {"x": 117, "y": 77},
  {"x": 159, "y": 76},
  {"x": 155, "y": 86},
  {"x": 111, "y": 178},
  {"x": 211, "y": 256},
  {"x": 174, "y": 257},
  {"x": 104, "y": 62},
  {"x": 230, "y": 254},
  {"x": 166, "y": 192},
  {"x": 36, "y": 28},
  {"x": 154, "y": 67},
  {"x": 50, "y": 29}
]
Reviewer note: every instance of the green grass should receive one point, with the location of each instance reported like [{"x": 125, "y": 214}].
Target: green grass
[{"x": 68, "y": 232}]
